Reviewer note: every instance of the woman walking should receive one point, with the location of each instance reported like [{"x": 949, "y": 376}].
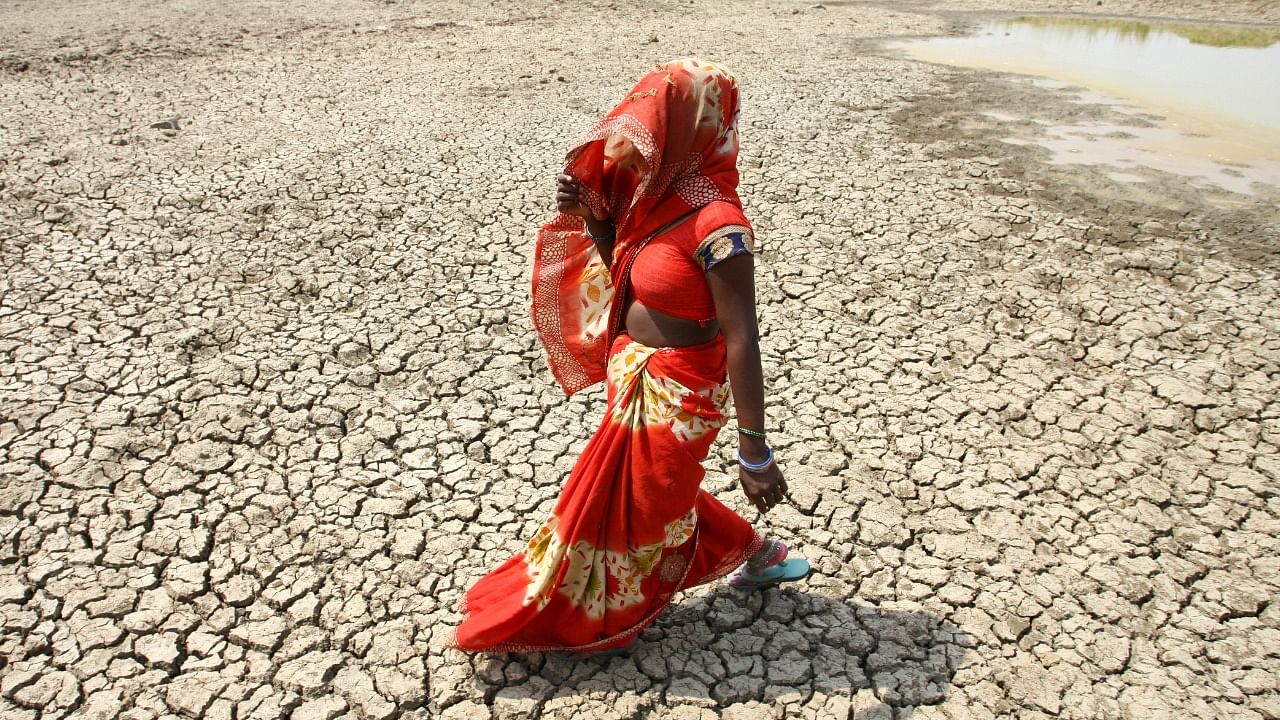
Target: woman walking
[{"x": 644, "y": 279}]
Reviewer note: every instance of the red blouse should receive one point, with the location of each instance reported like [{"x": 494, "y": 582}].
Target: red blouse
[{"x": 669, "y": 273}]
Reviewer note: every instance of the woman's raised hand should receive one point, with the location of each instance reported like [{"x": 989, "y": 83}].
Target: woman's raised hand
[{"x": 569, "y": 198}]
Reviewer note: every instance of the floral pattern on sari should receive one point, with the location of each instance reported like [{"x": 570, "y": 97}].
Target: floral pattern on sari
[
  {"x": 596, "y": 297},
  {"x": 631, "y": 527},
  {"x": 663, "y": 401},
  {"x": 542, "y": 556},
  {"x": 587, "y": 570}
]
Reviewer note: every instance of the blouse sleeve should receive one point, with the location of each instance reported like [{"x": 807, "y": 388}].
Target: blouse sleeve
[{"x": 724, "y": 243}]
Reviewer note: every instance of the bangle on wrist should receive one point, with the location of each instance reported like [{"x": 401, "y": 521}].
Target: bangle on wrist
[
  {"x": 759, "y": 467},
  {"x": 752, "y": 433},
  {"x": 601, "y": 238}
]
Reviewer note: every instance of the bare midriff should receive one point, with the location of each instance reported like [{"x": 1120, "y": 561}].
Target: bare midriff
[{"x": 657, "y": 329}]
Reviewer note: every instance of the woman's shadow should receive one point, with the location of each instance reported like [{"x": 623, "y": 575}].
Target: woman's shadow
[{"x": 778, "y": 646}]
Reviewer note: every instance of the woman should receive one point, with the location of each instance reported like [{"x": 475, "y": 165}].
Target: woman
[{"x": 644, "y": 279}]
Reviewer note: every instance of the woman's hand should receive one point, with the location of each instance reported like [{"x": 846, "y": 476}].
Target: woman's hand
[
  {"x": 569, "y": 199},
  {"x": 764, "y": 489}
]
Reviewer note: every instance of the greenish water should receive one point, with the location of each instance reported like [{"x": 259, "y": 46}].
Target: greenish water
[
  {"x": 1216, "y": 86},
  {"x": 1224, "y": 36}
]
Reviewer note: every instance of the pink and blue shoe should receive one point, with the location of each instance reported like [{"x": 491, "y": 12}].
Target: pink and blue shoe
[{"x": 772, "y": 569}]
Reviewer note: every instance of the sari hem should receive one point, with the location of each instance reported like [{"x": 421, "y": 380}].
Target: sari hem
[{"x": 726, "y": 566}]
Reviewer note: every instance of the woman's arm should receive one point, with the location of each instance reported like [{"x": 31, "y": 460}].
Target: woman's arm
[
  {"x": 569, "y": 201},
  {"x": 602, "y": 234},
  {"x": 732, "y": 286}
]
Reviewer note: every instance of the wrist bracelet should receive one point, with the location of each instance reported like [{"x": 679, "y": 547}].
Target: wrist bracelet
[
  {"x": 761, "y": 466},
  {"x": 600, "y": 238},
  {"x": 752, "y": 433}
]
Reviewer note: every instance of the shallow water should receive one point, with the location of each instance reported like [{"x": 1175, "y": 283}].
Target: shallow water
[{"x": 1213, "y": 85}]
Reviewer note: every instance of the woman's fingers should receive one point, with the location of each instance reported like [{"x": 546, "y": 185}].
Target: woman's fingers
[
  {"x": 569, "y": 203},
  {"x": 765, "y": 491},
  {"x": 757, "y": 491},
  {"x": 569, "y": 196}
]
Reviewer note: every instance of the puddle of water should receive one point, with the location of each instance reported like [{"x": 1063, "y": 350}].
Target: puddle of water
[
  {"x": 1213, "y": 85},
  {"x": 1203, "y": 159}
]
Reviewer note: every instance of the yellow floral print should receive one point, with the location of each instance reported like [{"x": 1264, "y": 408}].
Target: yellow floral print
[
  {"x": 588, "y": 569},
  {"x": 597, "y": 296},
  {"x": 542, "y": 556},
  {"x": 661, "y": 399}
]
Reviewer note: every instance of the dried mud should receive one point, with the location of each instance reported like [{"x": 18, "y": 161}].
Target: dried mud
[{"x": 270, "y": 399}]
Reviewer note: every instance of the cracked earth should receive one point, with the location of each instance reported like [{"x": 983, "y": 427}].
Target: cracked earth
[{"x": 270, "y": 399}]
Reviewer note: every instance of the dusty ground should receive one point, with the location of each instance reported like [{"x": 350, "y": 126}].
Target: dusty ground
[{"x": 270, "y": 399}]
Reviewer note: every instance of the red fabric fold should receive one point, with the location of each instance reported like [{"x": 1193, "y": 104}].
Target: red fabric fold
[
  {"x": 632, "y": 526},
  {"x": 670, "y": 147}
]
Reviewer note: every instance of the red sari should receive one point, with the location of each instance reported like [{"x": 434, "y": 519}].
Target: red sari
[{"x": 631, "y": 527}]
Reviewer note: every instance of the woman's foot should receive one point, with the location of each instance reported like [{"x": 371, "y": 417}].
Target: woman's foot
[
  {"x": 771, "y": 553},
  {"x": 768, "y": 567}
]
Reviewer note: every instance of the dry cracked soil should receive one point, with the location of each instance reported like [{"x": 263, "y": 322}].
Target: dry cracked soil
[{"x": 270, "y": 398}]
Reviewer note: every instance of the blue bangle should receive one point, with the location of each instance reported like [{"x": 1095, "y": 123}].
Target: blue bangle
[{"x": 756, "y": 467}]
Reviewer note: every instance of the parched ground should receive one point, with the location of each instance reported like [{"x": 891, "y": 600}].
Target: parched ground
[{"x": 270, "y": 399}]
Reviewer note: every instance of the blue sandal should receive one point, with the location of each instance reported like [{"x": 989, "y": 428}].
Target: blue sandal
[{"x": 785, "y": 571}]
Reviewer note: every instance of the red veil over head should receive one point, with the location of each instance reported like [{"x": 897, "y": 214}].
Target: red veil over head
[{"x": 670, "y": 147}]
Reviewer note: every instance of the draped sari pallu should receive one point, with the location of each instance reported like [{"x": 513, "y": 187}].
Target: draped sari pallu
[{"x": 631, "y": 527}]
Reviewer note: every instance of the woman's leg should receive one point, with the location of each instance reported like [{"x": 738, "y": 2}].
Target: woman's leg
[{"x": 725, "y": 540}]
